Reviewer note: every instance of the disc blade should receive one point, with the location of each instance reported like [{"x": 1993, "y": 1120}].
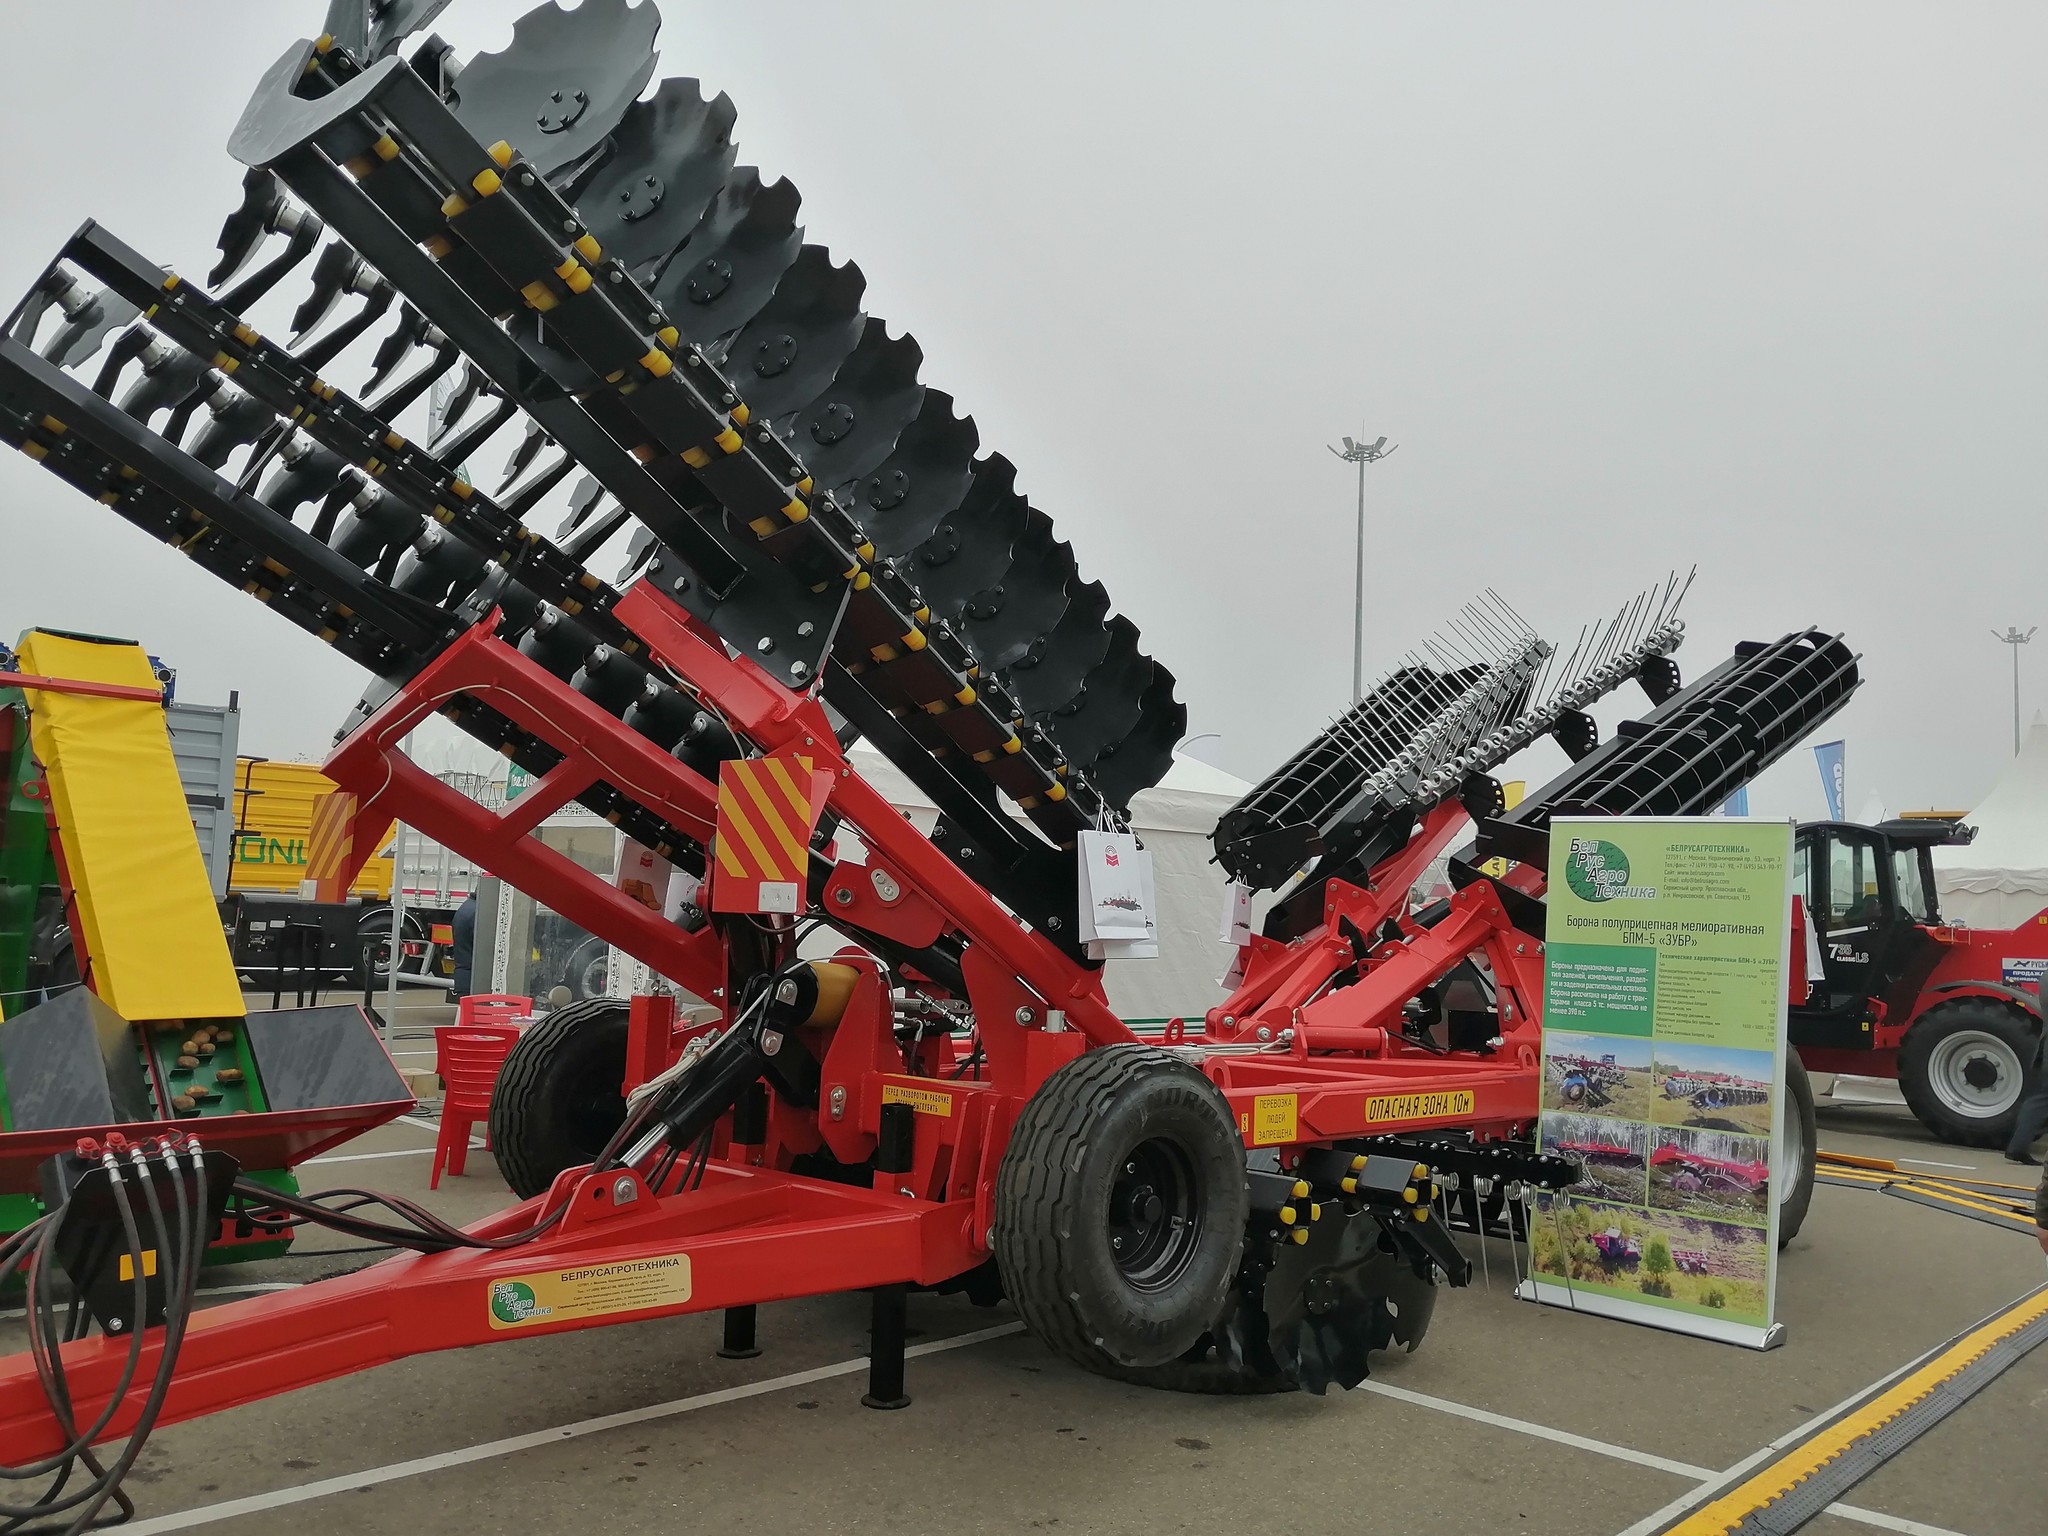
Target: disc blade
[
  {"x": 1053, "y": 666},
  {"x": 733, "y": 258},
  {"x": 851, "y": 427},
  {"x": 1106, "y": 707},
  {"x": 971, "y": 547},
  {"x": 670, "y": 156},
  {"x": 788, "y": 353},
  {"x": 563, "y": 83},
  {"x": 1002, "y": 619},
  {"x": 900, "y": 504},
  {"x": 1140, "y": 759}
]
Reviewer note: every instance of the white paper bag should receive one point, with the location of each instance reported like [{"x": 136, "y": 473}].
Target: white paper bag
[
  {"x": 1237, "y": 915},
  {"x": 1115, "y": 887}
]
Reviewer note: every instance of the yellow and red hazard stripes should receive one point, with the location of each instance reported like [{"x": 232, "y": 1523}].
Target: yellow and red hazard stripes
[
  {"x": 329, "y": 841},
  {"x": 768, "y": 807}
]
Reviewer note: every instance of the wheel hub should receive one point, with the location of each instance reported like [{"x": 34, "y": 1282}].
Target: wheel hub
[
  {"x": 1153, "y": 1226},
  {"x": 1974, "y": 1074}
]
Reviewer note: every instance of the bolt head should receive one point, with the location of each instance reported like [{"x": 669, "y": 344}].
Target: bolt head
[
  {"x": 1264, "y": 1033},
  {"x": 1027, "y": 1014},
  {"x": 764, "y": 645}
]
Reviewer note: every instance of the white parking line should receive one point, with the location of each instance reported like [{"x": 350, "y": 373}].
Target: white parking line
[
  {"x": 1928, "y": 1162},
  {"x": 186, "y": 1520},
  {"x": 1538, "y": 1431}
]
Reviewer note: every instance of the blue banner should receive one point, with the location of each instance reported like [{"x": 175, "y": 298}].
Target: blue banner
[
  {"x": 1828, "y": 754},
  {"x": 1736, "y": 804}
]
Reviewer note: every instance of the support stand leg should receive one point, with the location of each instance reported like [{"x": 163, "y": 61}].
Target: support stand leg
[
  {"x": 739, "y": 1335},
  {"x": 885, "y": 1349}
]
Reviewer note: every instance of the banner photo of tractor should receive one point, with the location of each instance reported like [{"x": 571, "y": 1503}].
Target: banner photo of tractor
[{"x": 1664, "y": 1075}]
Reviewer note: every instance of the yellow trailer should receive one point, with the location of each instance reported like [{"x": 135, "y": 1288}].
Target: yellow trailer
[{"x": 273, "y": 811}]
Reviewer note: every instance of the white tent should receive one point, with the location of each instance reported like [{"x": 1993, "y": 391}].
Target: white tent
[
  {"x": 2000, "y": 880},
  {"x": 1173, "y": 820}
]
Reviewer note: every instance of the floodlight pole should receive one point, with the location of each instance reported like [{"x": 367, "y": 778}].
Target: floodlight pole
[
  {"x": 1360, "y": 454},
  {"x": 2015, "y": 639}
]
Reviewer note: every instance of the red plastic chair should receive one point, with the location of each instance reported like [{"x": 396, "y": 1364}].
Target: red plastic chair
[
  {"x": 470, "y": 1061},
  {"x": 492, "y": 1008}
]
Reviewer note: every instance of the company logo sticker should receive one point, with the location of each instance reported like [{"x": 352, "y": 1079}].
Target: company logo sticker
[{"x": 1598, "y": 871}]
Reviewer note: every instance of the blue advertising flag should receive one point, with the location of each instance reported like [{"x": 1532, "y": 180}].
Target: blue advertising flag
[
  {"x": 1828, "y": 754},
  {"x": 1736, "y": 804}
]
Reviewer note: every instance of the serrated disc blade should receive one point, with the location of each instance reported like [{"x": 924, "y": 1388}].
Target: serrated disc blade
[
  {"x": 1106, "y": 707},
  {"x": 1141, "y": 757},
  {"x": 1002, "y": 619},
  {"x": 1340, "y": 1296},
  {"x": 669, "y": 158},
  {"x": 970, "y": 548},
  {"x": 851, "y": 427},
  {"x": 733, "y": 258},
  {"x": 922, "y": 480},
  {"x": 564, "y": 82},
  {"x": 369, "y": 29},
  {"x": 788, "y": 354},
  {"x": 1051, "y": 670}
]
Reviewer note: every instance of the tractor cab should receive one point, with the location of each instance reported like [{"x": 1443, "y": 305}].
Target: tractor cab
[{"x": 1869, "y": 894}]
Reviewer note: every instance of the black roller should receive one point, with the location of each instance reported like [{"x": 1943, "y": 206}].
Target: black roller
[
  {"x": 563, "y": 83},
  {"x": 1687, "y": 756},
  {"x": 1314, "y": 792},
  {"x": 670, "y": 156},
  {"x": 734, "y": 257}
]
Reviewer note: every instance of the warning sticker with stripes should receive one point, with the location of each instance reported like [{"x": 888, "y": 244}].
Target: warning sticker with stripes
[{"x": 768, "y": 807}]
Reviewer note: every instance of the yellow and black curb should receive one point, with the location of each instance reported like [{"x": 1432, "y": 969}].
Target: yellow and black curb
[
  {"x": 1803, "y": 1479},
  {"x": 2001, "y": 1205}
]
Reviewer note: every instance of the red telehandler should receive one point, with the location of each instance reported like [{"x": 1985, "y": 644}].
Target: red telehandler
[
  {"x": 814, "y": 548},
  {"x": 1952, "y": 1012}
]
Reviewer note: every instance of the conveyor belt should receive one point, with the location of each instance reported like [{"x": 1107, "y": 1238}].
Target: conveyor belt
[{"x": 151, "y": 933}]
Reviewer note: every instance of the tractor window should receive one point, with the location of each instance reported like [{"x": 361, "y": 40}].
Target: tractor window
[
  {"x": 1853, "y": 898},
  {"x": 1806, "y": 879},
  {"x": 1912, "y": 890}
]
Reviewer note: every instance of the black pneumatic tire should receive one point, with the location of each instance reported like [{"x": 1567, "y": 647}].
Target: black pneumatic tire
[
  {"x": 561, "y": 1094},
  {"x": 1129, "y": 1134},
  {"x": 1802, "y": 1130},
  {"x": 1927, "y": 1051}
]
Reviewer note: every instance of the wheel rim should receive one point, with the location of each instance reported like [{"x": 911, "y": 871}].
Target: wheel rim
[
  {"x": 1155, "y": 1219},
  {"x": 1791, "y": 1149},
  {"x": 596, "y": 973},
  {"x": 1974, "y": 1074}
]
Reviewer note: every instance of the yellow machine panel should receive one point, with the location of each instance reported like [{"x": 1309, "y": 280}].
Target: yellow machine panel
[{"x": 150, "y": 931}]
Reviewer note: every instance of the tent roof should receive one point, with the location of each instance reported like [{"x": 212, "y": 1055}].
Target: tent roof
[{"x": 2012, "y": 826}]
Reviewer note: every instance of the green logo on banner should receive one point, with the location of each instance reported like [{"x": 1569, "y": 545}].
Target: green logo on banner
[
  {"x": 1598, "y": 871},
  {"x": 511, "y": 1301}
]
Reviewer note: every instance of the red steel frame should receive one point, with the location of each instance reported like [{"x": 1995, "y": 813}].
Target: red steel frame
[{"x": 755, "y": 1232}]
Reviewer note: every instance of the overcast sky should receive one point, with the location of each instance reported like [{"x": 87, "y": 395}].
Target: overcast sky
[{"x": 1753, "y": 287}]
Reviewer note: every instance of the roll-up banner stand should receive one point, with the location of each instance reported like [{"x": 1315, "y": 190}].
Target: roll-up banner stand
[{"x": 1664, "y": 1072}]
